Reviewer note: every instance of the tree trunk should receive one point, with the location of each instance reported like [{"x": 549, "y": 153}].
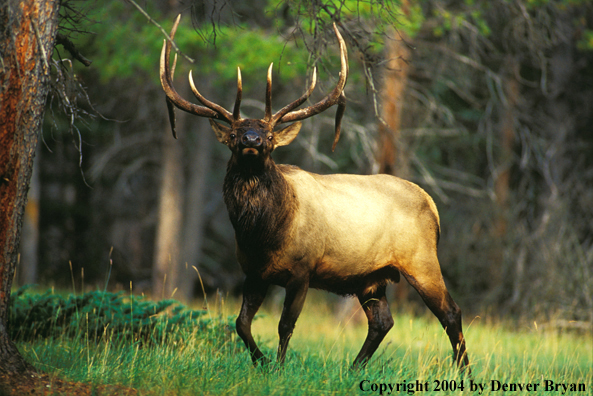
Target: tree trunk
[
  {"x": 395, "y": 77},
  {"x": 194, "y": 217},
  {"x": 503, "y": 176},
  {"x": 26, "y": 44},
  {"x": 166, "y": 266},
  {"x": 172, "y": 272}
]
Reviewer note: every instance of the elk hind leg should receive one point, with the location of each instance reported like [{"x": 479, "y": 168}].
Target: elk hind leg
[
  {"x": 376, "y": 309},
  {"x": 432, "y": 289}
]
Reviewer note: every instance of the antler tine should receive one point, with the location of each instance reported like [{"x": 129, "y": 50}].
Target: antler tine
[
  {"x": 268, "y": 113},
  {"x": 291, "y": 106},
  {"x": 335, "y": 97},
  {"x": 224, "y": 113},
  {"x": 339, "y": 114},
  {"x": 173, "y": 98},
  {"x": 237, "y": 108},
  {"x": 170, "y": 107}
]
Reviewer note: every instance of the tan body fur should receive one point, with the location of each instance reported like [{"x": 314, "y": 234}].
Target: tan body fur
[{"x": 350, "y": 226}]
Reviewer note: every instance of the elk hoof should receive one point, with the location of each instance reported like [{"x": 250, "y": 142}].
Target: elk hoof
[{"x": 262, "y": 362}]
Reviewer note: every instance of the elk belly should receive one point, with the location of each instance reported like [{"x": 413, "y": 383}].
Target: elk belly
[{"x": 363, "y": 280}]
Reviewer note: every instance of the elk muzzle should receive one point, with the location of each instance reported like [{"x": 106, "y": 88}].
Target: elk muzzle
[{"x": 251, "y": 141}]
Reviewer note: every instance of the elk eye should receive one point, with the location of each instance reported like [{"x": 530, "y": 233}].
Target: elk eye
[
  {"x": 232, "y": 136},
  {"x": 271, "y": 137}
]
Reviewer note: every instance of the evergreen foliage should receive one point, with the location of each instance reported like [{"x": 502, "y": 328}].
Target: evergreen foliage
[{"x": 99, "y": 314}]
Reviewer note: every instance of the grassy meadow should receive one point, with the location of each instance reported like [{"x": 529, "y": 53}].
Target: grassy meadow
[{"x": 415, "y": 357}]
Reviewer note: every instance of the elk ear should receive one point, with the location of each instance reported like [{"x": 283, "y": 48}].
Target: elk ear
[
  {"x": 285, "y": 136},
  {"x": 222, "y": 131}
]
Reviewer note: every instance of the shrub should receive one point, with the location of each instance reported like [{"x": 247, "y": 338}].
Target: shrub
[{"x": 100, "y": 314}]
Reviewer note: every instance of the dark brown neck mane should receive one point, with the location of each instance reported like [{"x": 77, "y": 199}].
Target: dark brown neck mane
[{"x": 261, "y": 206}]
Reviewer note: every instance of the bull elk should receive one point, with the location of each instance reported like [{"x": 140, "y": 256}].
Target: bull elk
[{"x": 347, "y": 234}]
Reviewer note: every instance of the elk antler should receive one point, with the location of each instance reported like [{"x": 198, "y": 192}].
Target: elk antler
[
  {"x": 291, "y": 106},
  {"x": 212, "y": 110},
  {"x": 286, "y": 114}
]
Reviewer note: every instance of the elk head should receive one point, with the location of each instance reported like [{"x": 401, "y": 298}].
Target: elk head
[{"x": 252, "y": 138}]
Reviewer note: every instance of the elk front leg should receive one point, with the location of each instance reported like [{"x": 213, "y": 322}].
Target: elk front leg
[
  {"x": 380, "y": 322},
  {"x": 296, "y": 292},
  {"x": 254, "y": 292}
]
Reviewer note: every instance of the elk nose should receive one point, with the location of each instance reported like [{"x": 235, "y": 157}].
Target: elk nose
[{"x": 251, "y": 139}]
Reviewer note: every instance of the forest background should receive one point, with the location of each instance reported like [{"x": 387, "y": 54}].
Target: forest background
[{"x": 488, "y": 105}]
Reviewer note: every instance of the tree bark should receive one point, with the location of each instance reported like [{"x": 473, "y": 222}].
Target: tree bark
[
  {"x": 26, "y": 44},
  {"x": 395, "y": 78}
]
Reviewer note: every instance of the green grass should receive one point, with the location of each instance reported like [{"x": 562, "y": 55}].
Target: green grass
[{"x": 212, "y": 361}]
